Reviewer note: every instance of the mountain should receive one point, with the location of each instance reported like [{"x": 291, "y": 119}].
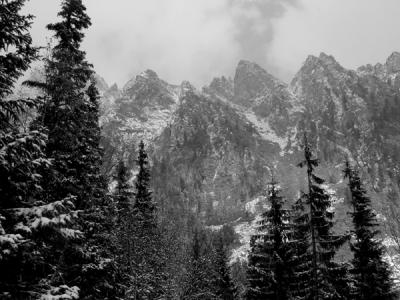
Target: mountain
[
  {"x": 388, "y": 72},
  {"x": 140, "y": 111},
  {"x": 347, "y": 113},
  {"x": 350, "y": 113},
  {"x": 213, "y": 150}
]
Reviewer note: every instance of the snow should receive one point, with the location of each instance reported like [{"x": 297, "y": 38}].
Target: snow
[
  {"x": 58, "y": 214},
  {"x": 264, "y": 129},
  {"x": 392, "y": 257},
  {"x": 22, "y": 228},
  {"x": 63, "y": 292},
  {"x": 215, "y": 228},
  {"x": 156, "y": 119},
  {"x": 244, "y": 230},
  {"x": 11, "y": 240},
  {"x": 71, "y": 233},
  {"x": 254, "y": 206}
]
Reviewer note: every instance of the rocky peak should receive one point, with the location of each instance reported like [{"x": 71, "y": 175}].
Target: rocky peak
[
  {"x": 393, "y": 63},
  {"x": 251, "y": 80},
  {"x": 186, "y": 88},
  {"x": 221, "y": 87},
  {"x": 321, "y": 68},
  {"x": 114, "y": 88},
  {"x": 113, "y": 92},
  {"x": 327, "y": 59},
  {"x": 149, "y": 74},
  {"x": 323, "y": 60},
  {"x": 148, "y": 77}
]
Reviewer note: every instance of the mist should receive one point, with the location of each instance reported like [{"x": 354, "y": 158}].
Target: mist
[{"x": 197, "y": 40}]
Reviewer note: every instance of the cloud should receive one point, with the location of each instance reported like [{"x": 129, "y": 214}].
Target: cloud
[
  {"x": 254, "y": 21},
  {"x": 355, "y": 32},
  {"x": 191, "y": 40}
]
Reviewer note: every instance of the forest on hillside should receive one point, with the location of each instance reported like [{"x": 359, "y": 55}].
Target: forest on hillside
[{"x": 70, "y": 230}]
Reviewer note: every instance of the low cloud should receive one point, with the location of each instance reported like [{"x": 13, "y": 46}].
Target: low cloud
[{"x": 191, "y": 40}]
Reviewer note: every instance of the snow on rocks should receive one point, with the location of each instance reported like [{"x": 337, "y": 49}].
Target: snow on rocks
[
  {"x": 62, "y": 292},
  {"x": 244, "y": 230}
]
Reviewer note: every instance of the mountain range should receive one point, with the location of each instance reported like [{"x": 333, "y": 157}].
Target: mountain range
[{"x": 214, "y": 150}]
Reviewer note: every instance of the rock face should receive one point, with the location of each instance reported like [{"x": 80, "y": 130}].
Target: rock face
[
  {"x": 351, "y": 113},
  {"x": 388, "y": 72},
  {"x": 213, "y": 150},
  {"x": 140, "y": 111}
]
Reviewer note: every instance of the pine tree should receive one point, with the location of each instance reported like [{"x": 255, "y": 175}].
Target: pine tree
[
  {"x": 17, "y": 50},
  {"x": 146, "y": 240},
  {"x": 198, "y": 281},
  {"x": 323, "y": 271},
  {"x": 144, "y": 209},
  {"x": 223, "y": 282},
  {"x": 65, "y": 112},
  {"x": 70, "y": 114},
  {"x": 29, "y": 227},
  {"x": 371, "y": 273},
  {"x": 123, "y": 193},
  {"x": 270, "y": 260},
  {"x": 302, "y": 258},
  {"x": 124, "y": 222}
]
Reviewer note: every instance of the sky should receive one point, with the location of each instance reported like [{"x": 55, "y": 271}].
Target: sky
[{"x": 197, "y": 40}]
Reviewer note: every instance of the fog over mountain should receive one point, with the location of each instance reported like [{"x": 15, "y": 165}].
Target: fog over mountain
[{"x": 196, "y": 40}]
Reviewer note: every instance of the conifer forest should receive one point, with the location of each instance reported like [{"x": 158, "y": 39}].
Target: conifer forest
[{"x": 247, "y": 188}]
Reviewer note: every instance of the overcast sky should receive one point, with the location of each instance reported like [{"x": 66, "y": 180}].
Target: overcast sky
[{"x": 197, "y": 40}]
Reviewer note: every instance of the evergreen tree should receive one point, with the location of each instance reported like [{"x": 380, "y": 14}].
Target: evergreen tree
[
  {"x": 148, "y": 266},
  {"x": 16, "y": 53},
  {"x": 124, "y": 222},
  {"x": 69, "y": 108},
  {"x": 270, "y": 259},
  {"x": 70, "y": 114},
  {"x": 323, "y": 281},
  {"x": 302, "y": 258},
  {"x": 198, "y": 282},
  {"x": 371, "y": 273},
  {"x": 144, "y": 209},
  {"x": 123, "y": 191},
  {"x": 223, "y": 282},
  {"x": 29, "y": 227}
]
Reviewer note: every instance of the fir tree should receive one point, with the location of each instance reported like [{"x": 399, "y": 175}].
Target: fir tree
[
  {"x": 29, "y": 227},
  {"x": 65, "y": 111},
  {"x": 124, "y": 224},
  {"x": 70, "y": 114},
  {"x": 17, "y": 50},
  {"x": 148, "y": 266},
  {"x": 371, "y": 273},
  {"x": 144, "y": 209},
  {"x": 270, "y": 263},
  {"x": 198, "y": 282},
  {"x": 302, "y": 258},
  {"x": 223, "y": 282},
  {"x": 123, "y": 193},
  {"x": 317, "y": 218}
]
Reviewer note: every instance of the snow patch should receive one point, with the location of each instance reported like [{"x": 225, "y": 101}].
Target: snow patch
[
  {"x": 245, "y": 230},
  {"x": 264, "y": 129}
]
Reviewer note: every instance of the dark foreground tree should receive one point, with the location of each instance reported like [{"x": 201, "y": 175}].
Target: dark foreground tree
[
  {"x": 223, "y": 281},
  {"x": 315, "y": 224},
  {"x": 144, "y": 208},
  {"x": 148, "y": 265},
  {"x": 70, "y": 114},
  {"x": 198, "y": 281},
  {"x": 29, "y": 227},
  {"x": 371, "y": 273},
  {"x": 270, "y": 270}
]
